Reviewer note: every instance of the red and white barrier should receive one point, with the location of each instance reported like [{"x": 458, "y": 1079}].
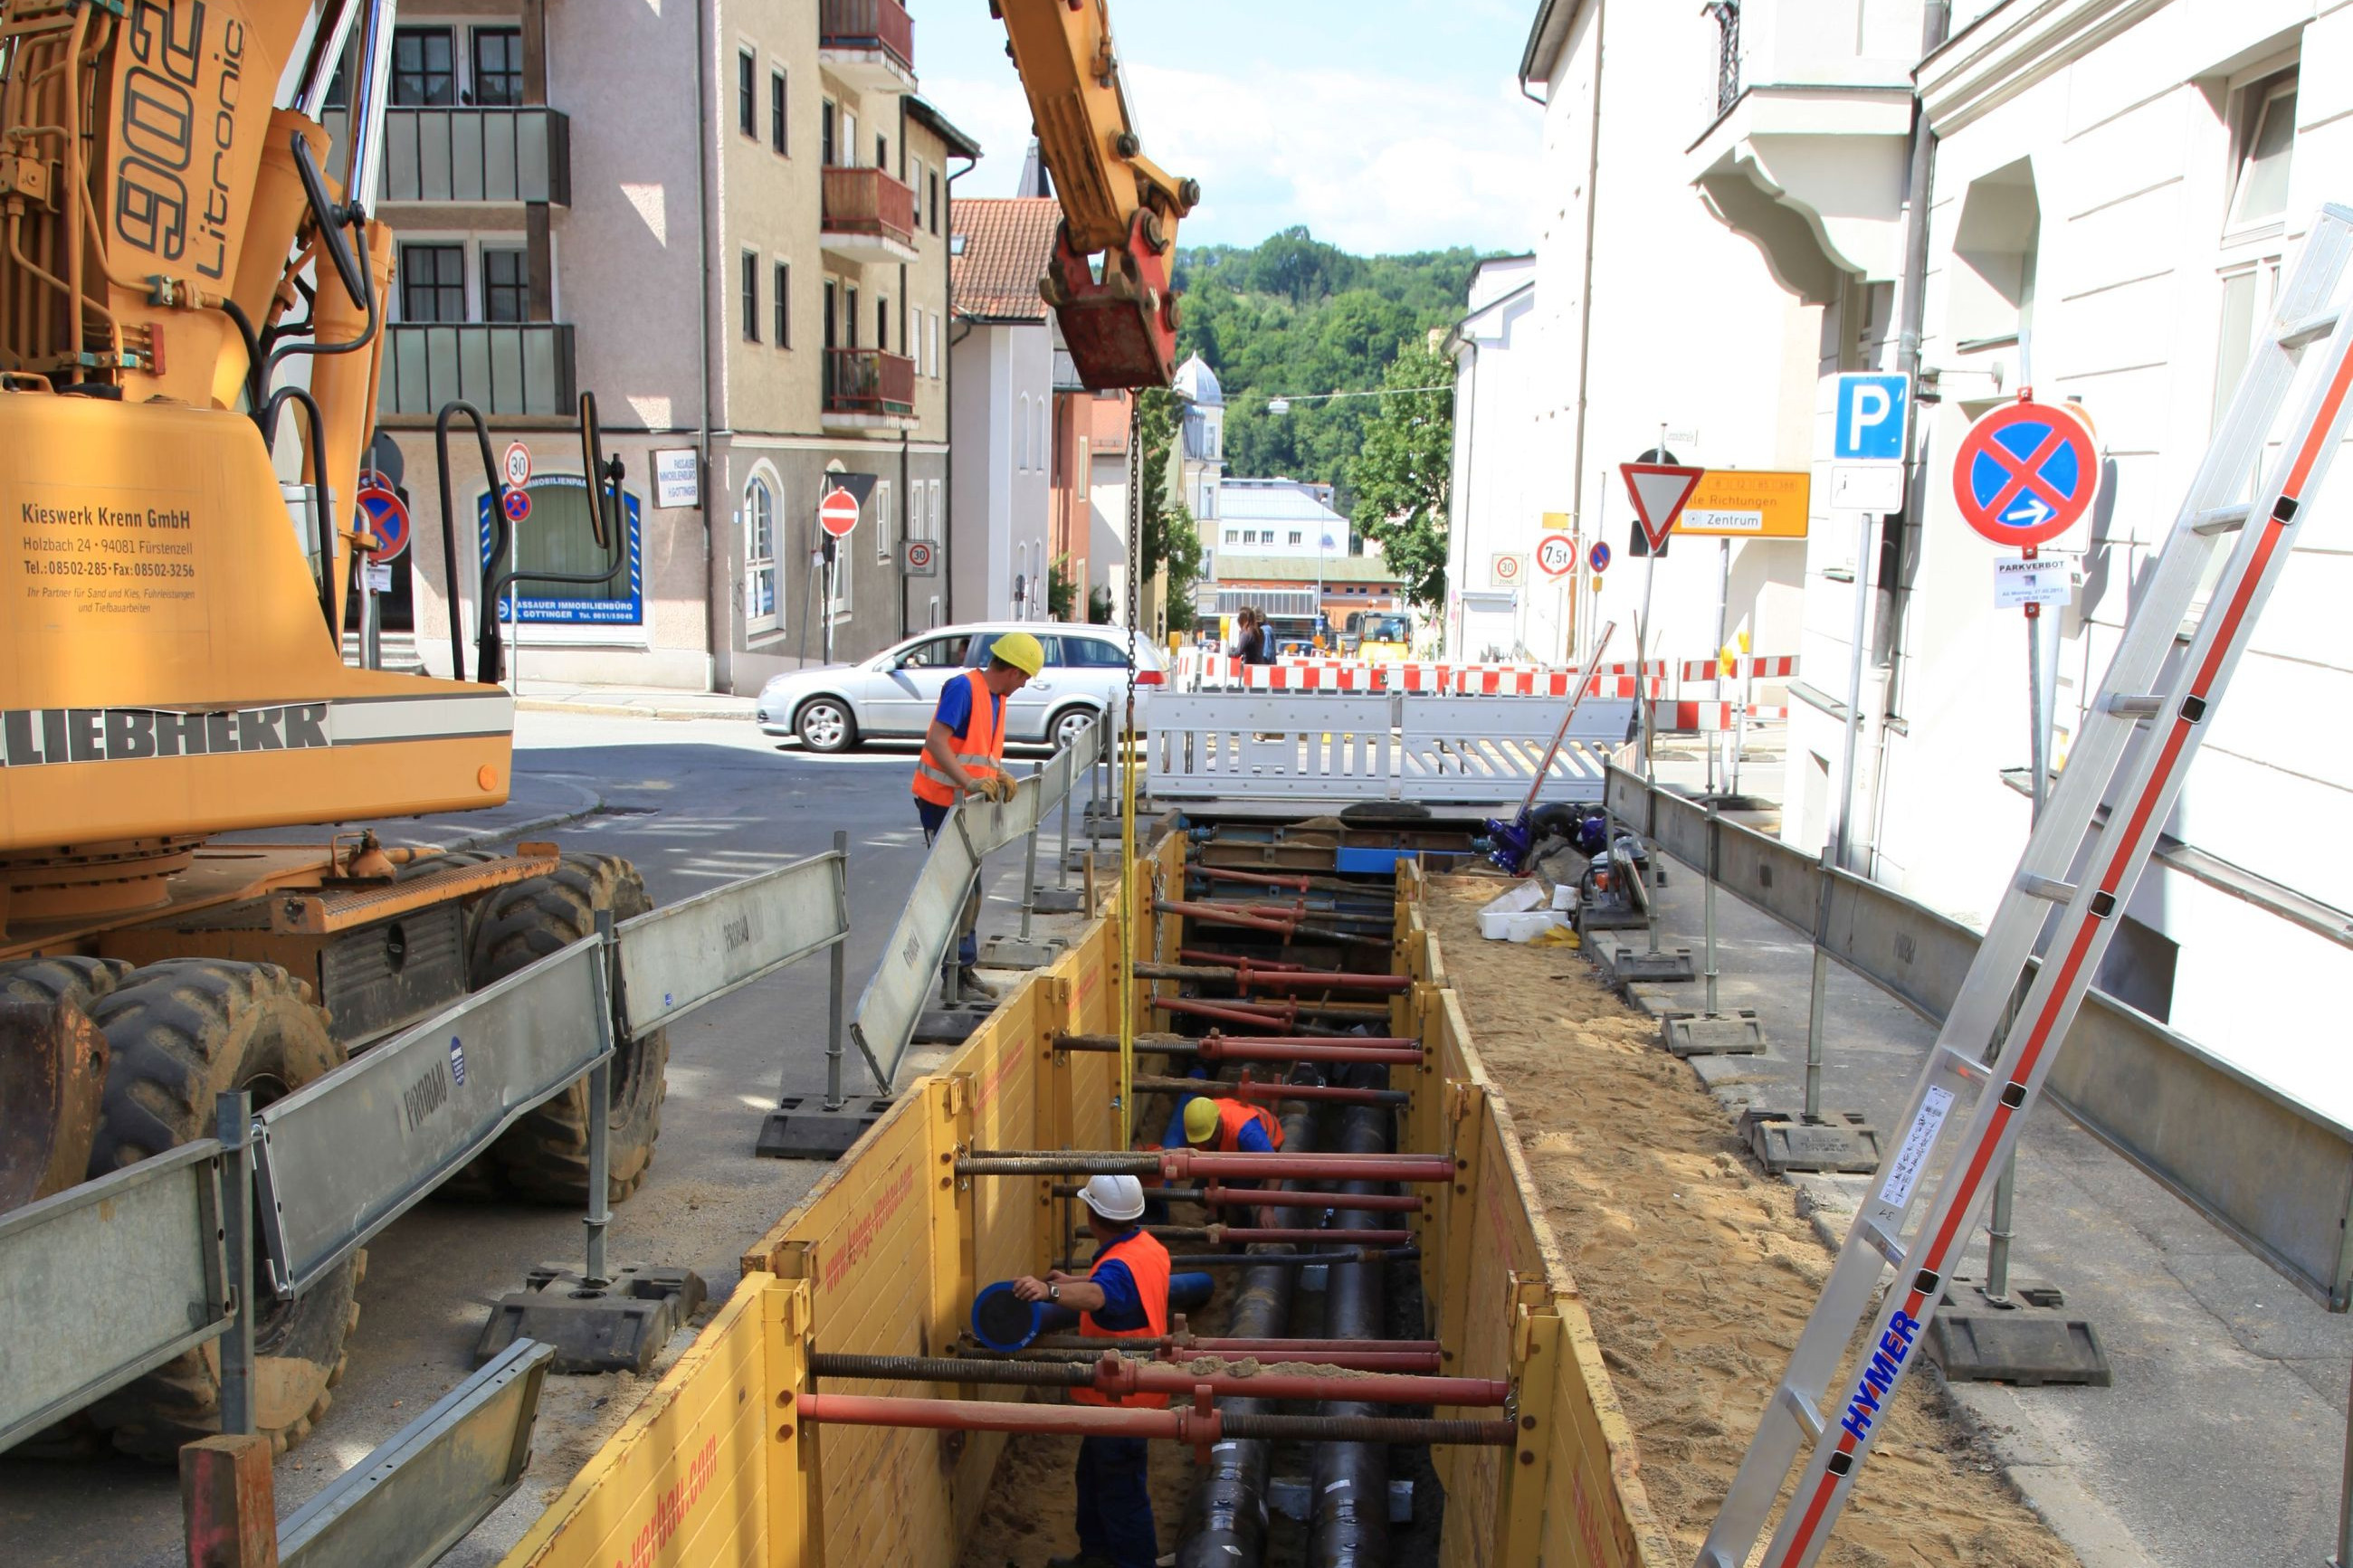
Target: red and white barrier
[
  {"x": 1657, "y": 679},
  {"x": 1758, "y": 667}
]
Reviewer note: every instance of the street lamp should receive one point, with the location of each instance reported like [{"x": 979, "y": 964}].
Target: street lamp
[{"x": 1282, "y": 404}]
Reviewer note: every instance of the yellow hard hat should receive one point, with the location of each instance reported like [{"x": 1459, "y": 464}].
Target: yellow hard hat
[
  {"x": 1020, "y": 650},
  {"x": 1200, "y": 1119}
]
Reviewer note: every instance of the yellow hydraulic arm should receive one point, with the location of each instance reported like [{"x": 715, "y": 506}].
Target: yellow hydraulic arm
[{"x": 1121, "y": 329}]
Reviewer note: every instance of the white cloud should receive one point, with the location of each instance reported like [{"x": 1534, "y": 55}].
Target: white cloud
[{"x": 1371, "y": 163}]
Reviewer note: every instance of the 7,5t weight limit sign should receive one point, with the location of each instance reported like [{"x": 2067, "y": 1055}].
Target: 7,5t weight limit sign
[{"x": 1556, "y": 555}]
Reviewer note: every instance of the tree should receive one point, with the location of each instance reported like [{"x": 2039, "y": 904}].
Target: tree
[
  {"x": 1172, "y": 546},
  {"x": 1402, "y": 473}
]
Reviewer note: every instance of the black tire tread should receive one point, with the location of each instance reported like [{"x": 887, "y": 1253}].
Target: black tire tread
[
  {"x": 180, "y": 1031},
  {"x": 545, "y": 1154}
]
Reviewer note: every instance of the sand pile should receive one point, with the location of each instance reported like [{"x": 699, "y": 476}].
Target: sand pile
[{"x": 1696, "y": 1267}]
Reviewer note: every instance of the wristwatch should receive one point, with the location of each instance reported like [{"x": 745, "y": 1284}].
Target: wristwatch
[{"x": 1053, "y": 1292}]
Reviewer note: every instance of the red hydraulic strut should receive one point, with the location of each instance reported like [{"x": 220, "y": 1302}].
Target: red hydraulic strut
[{"x": 1198, "y": 1426}]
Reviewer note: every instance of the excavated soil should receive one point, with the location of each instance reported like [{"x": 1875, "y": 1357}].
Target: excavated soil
[
  {"x": 1696, "y": 1269},
  {"x": 1031, "y": 1513}
]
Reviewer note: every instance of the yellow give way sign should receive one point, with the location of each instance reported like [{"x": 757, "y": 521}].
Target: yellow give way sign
[{"x": 1747, "y": 503}]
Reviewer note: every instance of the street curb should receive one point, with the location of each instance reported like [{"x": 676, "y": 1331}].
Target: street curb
[
  {"x": 591, "y": 803},
  {"x": 623, "y": 711}
]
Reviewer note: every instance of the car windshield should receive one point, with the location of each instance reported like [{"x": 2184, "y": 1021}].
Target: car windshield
[{"x": 1387, "y": 628}]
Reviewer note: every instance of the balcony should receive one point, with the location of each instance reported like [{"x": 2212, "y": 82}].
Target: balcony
[
  {"x": 868, "y": 44},
  {"x": 466, "y": 155},
  {"x": 507, "y": 370},
  {"x": 866, "y": 389},
  {"x": 868, "y": 217},
  {"x": 1807, "y": 157}
]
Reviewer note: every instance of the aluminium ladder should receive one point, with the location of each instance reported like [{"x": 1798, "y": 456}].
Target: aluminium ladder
[{"x": 2180, "y": 644}]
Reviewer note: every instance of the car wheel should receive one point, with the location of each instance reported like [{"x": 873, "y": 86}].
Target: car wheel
[
  {"x": 1064, "y": 732},
  {"x": 825, "y": 725}
]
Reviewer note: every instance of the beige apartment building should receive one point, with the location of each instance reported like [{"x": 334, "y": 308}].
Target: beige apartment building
[{"x": 748, "y": 266}]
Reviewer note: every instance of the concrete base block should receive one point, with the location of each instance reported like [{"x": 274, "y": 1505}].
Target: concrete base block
[
  {"x": 1609, "y": 914},
  {"x": 1058, "y": 900},
  {"x": 950, "y": 1025},
  {"x": 1012, "y": 953},
  {"x": 1636, "y": 962},
  {"x": 800, "y": 1128},
  {"x": 618, "y": 1327},
  {"x": 1712, "y": 1035},
  {"x": 2022, "y": 1344},
  {"x": 1839, "y": 1141}
]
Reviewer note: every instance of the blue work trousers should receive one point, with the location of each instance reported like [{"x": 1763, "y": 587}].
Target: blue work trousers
[
  {"x": 1115, "y": 1503},
  {"x": 967, "y": 948}
]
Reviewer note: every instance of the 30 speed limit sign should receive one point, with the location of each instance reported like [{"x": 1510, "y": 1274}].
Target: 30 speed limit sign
[{"x": 1556, "y": 555}]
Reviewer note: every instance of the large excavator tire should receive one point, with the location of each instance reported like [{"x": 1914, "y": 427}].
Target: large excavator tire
[
  {"x": 180, "y": 1033},
  {"x": 545, "y": 1154},
  {"x": 52, "y": 1071}
]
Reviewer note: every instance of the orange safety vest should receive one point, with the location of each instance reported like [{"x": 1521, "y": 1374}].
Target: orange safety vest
[
  {"x": 1233, "y": 1115},
  {"x": 1147, "y": 1265},
  {"x": 978, "y": 754}
]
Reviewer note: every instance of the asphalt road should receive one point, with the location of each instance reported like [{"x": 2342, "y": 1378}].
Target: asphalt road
[{"x": 694, "y": 804}]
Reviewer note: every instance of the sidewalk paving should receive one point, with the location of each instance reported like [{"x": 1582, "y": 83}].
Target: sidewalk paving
[
  {"x": 2221, "y": 1439},
  {"x": 632, "y": 702}
]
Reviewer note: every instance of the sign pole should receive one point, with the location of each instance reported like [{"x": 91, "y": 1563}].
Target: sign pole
[{"x": 1851, "y": 741}]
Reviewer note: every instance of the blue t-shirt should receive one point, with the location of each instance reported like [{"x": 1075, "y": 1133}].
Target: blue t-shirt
[
  {"x": 1122, "y": 1307},
  {"x": 955, "y": 707}
]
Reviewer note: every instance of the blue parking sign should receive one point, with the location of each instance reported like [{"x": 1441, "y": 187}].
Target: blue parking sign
[{"x": 1872, "y": 412}]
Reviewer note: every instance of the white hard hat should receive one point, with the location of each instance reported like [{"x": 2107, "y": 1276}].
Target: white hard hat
[{"x": 1114, "y": 1197}]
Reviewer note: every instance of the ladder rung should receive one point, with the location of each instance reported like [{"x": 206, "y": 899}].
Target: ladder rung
[
  {"x": 1803, "y": 1409},
  {"x": 1881, "y": 1243},
  {"x": 2142, "y": 705},
  {"x": 1963, "y": 1062},
  {"x": 2307, "y": 329},
  {"x": 2050, "y": 887},
  {"x": 2220, "y": 518}
]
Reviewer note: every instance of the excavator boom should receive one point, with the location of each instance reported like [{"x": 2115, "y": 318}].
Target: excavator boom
[{"x": 1118, "y": 317}]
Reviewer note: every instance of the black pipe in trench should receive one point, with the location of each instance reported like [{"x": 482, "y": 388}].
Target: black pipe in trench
[
  {"x": 1350, "y": 1527},
  {"x": 1225, "y": 1521}
]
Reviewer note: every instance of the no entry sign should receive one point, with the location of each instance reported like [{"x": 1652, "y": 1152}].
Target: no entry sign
[
  {"x": 2025, "y": 474},
  {"x": 838, "y": 512}
]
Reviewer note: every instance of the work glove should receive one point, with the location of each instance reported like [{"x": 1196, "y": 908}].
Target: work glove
[{"x": 995, "y": 787}]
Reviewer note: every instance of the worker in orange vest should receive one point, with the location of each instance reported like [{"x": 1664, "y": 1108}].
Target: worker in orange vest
[
  {"x": 1125, "y": 1296},
  {"x": 962, "y": 755},
  {"x": 1232, "y": 1126}
]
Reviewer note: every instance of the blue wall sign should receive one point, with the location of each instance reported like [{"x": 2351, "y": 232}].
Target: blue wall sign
[{"x": 544, "y": 604}]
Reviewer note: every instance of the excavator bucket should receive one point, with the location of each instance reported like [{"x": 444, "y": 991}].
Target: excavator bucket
[
  {"x": 52, "y": 1069},
  {"x": 1120, "y": 331}
]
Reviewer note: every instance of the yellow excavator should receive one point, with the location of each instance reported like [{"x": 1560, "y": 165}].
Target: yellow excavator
[
  {"x": 1109, "y": 282},
  {"x": 178, "y": 276}
]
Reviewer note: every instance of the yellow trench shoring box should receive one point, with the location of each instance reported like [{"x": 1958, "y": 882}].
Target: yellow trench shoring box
[{"x": 715, "y": 1469}]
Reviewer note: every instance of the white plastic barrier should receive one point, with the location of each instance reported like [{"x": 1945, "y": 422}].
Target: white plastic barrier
[{"x": 1244, "y": 746}]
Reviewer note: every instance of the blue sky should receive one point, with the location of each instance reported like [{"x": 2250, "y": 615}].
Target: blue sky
[{"x": 1383, "y": 125}]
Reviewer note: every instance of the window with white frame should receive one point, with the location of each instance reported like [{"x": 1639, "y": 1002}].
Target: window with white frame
[
  {"x": 932, "y": 343},
  {"x": 883, "y": 520},
  {"x": 932, "y": 524},
  {"x": 763, "y": 607},
  {"x": 2263, "y": 144},
  {"x": 845, "y": 578},
  {"x": 1021, "y": 434}
]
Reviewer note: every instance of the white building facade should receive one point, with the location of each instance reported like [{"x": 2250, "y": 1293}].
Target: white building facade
[
  {"x": 1646, "y": 316},
  {"x": 1001, "y": 409},
  {"x": 1276, "y": 517},
  {"x": 1499, "y": 379},
  {"x": 2114, "y": 192}
]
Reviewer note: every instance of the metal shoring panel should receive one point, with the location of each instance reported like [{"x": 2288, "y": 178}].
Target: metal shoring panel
[
  {"x": 1486, "y": 750},
  {"x": 146, "y": 1241},
  {"x": 2178, "y": 693},
  {"x": 341, "y": 1158},
  {"x": 1256, "y": 745},
  {"x": 676, "y": 958}
]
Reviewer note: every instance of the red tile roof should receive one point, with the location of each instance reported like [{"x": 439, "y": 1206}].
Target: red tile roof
[{"x": 1007, "y": 242}]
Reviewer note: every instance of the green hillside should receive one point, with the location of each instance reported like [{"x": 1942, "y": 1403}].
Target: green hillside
[{"x": 1295, "y": 315}]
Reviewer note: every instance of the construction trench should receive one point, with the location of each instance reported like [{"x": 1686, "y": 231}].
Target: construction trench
[{"x": 1394, "y": 1363}]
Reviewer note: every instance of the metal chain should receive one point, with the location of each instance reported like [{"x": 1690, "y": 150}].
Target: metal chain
[{"x": 1125, "y": 773}]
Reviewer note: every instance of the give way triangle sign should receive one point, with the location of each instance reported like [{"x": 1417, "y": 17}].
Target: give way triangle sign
[{"x": 1660, "y": 490}]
